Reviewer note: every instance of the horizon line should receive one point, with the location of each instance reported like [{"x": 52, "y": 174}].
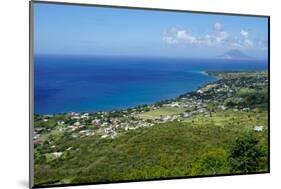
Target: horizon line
[{"x": 150, "y": 56}]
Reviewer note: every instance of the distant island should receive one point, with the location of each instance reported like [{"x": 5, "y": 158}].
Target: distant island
[{"x": 234, "y": 55}]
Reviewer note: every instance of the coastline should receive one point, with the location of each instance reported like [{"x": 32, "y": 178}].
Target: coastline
[
  {"x": 214, "y": 74},
  {"x": 111, "y": 84},
  {"x": 205, "y": 73}
]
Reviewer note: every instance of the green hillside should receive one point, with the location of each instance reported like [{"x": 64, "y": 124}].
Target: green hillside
[{"x": 200, "y": 146}]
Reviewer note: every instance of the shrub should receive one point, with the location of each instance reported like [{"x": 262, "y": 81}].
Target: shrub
[
  {"x": 246, "y": 154},
  {"x": 211, "y": 161}
]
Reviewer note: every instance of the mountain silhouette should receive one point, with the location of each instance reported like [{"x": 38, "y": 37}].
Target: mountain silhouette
[{"x": 234, "y": 55}]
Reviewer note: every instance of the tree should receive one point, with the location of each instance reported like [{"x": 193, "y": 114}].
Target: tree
[
  {"x": 211, "y": 108},
  {"x": 246, "y": 155}
]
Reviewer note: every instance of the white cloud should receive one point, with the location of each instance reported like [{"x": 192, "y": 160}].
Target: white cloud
[
  {"x": 248, "y": 43},
  {"x": 182, "y": 35},
  {"x": 244, "y": 33},
  {"x": 217, "y": 27},
  {"x": 262, "y": 44},
  {"x": 169, "y": 40},
  {"x": 237, "y": 45},
  {"x": 218, "y": 37},
  {"x": 175, "y": 35},
  {"x": 221, "y": 37},
  {"x": 241, "y": 43}
]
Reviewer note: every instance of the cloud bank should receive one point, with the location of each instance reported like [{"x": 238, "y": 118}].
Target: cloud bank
[{"x": 218, "y": 37}]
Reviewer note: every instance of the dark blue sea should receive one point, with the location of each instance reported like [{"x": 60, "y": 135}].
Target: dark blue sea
[{"x": 87, "y": 84}]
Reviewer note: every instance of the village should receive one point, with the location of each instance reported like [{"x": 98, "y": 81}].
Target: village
[{"x": 228, "y": 93}]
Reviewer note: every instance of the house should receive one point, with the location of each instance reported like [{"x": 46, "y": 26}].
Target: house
[
  {"x": 74, "y": 135},
  {"x": 36, "y": 136},
  {"x": 104, "y": 124},
  {"x": 95, "y": 122},
  {"x": 72, "y": 128},
  {"x": 200, "y": 91},
  {"x": 258, "y": 128},
  {"x": 185, "y": 115},
  {"x": 113, "y": 135},
  {"x": 246, "y": 109},
  {"x": 222, "y": 107},
  {"x": 60, "y": 122},
  {"x": 37, "y": 141},
  {"x": 57, "y": 154},
  {"x": 85, "y": 116},
  {"x": 174, "y": 104},
  {"x": 104, "y": 136},
  {"x": 75, "y": 117},
  {"x": 107, "y": 130},
  {"x": 83, "y": 131},
  {"x": 201, "y": 110},
  {"x": 166, "y": 118}
]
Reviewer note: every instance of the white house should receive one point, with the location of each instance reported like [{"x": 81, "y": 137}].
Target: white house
[
  {"x": 104, "y": 136},
  {"x": 258, "y": 128},
  {"x": 57, "y": 154},
  {"x": 185, "y": 114}
]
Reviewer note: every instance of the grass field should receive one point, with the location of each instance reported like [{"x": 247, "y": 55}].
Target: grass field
[
  {"x": 225, "y": 118},
  {"x": 163, "y": 111}
]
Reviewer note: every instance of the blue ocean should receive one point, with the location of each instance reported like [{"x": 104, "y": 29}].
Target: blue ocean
[{"x": 88, "y": 84}]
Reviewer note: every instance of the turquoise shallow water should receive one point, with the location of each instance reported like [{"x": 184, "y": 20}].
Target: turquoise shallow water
[{"x": 84, "y": 83}]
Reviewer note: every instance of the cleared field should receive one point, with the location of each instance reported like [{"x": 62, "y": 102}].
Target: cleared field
[
  {"x": 208, "y": 87},
  {"x": 229, "y": 118},
  {"x": 164, "y": 111}
]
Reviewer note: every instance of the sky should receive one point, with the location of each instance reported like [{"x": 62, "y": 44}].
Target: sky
[{"x": 80, "y": 30}]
